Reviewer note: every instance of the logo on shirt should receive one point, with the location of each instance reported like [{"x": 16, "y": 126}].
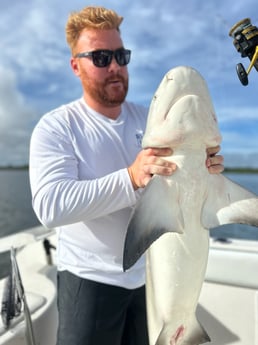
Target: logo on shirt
[{"x": 139, "y": 136}]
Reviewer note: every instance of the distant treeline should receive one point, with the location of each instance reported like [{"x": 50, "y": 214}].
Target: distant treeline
[
  {"x": 20, "y": 167},
  {"x": 241, "y": 170},
  {"x": 227, "y": 170}
]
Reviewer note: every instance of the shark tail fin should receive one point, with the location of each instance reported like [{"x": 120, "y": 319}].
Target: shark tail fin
[{"x": 191, "y": 334}]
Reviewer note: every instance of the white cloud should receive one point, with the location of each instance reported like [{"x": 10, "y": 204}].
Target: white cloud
[
  {"x": 37, "y": 43},
  {"x": 234, "y": 113},
  {"x": 16, "y": 119},
  {"x": 36, "y": 76}
]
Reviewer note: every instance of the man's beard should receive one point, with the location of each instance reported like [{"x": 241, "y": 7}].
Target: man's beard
[{"x": 102, "y": 93}]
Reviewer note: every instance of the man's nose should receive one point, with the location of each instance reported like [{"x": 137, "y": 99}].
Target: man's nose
[{"x": 114, "y": 65}]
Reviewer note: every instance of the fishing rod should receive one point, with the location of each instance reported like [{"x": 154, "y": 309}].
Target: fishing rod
[
  {"x": 14, "y": 297},
  {"x": 245, "y": 37}
]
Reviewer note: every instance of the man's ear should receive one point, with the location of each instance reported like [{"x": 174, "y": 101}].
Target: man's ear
[{"x": 75, "y": 66}]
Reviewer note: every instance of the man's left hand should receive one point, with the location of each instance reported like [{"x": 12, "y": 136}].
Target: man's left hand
[{"x": 214, "y": 162}]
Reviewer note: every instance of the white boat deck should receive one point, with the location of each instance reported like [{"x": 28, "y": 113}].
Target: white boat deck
[{"x": 228, "y": 305}]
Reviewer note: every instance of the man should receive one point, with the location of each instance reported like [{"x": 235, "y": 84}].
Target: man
[{"x": 87, "y": 169}]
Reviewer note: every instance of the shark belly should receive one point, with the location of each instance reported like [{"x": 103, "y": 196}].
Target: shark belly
[
  {"x": 176, "y": 265},
  {"x": 175, "y": 269}
]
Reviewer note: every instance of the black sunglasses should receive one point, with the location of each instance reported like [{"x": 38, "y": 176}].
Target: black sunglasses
[{"x": 103, "y": 57}]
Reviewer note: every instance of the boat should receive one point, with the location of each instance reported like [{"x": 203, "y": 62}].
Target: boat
[
  {"x": 227, "y": 308},
  {"x": 37, "y": 270}
]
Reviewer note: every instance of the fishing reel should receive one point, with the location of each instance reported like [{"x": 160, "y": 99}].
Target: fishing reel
[{"x": 245, "y": 37}]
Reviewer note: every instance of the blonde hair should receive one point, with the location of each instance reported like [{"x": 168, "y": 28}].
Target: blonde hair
[{"x": 98, "y": 18}]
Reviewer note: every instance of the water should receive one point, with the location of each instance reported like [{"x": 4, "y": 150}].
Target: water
[
  {"x": 16, "y": 213},
  {"x": 250, "y": 182}
]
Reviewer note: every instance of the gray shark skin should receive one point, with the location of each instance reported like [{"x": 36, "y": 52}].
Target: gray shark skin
[{"x": 172, "y": 218}]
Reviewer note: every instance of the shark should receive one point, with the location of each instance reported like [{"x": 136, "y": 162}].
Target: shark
[{"x": 170, "y": 222}]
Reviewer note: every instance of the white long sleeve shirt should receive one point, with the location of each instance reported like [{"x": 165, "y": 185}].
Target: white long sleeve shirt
[{"x": 80, "y": 185}]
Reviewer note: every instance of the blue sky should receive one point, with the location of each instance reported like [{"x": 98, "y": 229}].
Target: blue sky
[{"x": 35, "y": 74}]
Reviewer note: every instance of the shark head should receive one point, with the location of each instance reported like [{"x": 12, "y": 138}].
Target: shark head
[{"x": 181, "y": 112}]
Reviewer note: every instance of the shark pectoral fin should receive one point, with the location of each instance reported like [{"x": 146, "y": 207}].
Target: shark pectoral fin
[
  {"x": 227, "y": 203},
  {"x": 156, "y": 213}
]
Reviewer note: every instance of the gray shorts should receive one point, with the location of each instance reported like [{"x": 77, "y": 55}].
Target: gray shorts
[{"x": 92, "y": 313}]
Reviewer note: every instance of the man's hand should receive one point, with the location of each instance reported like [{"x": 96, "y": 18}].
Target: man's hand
[
  {"x": 149, "y": 162},
  {"x": 214, "y": 162}
]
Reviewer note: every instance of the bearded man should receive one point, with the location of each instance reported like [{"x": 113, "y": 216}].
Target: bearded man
[{"x": 87, "y": 169}]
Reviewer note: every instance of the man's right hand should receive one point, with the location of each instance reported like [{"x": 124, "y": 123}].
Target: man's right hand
[{"x": 149, "y": 162}]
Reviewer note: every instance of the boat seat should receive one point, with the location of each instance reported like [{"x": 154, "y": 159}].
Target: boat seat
[
  {"x": 34, "y": 302},
  {"x": 233, "y": 264}
]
